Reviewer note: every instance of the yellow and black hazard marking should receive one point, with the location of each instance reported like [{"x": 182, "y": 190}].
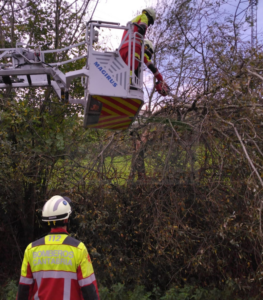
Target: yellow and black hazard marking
[{"x": 112, "y": 112}]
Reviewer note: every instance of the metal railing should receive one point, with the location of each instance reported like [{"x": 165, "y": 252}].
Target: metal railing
[{"x": 132, "y": 38}]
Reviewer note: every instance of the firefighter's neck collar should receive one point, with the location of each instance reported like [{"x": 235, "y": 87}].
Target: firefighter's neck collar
[{"x": 59, "y": 230}]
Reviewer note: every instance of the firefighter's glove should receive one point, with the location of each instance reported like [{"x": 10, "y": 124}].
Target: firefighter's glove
[{"x": 162, "y": 88}]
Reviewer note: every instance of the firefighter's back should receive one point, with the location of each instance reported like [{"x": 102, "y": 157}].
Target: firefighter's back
[{"x": 54, "y": 261}]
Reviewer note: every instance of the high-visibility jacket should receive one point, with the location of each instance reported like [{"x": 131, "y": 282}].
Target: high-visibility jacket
[
  {"x": 151, "y": 66},
  {"x": 141, "y": 20},
  {"x": 57, "y": 267}
]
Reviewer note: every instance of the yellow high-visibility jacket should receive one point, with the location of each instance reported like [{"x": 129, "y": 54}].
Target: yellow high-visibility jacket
[
  {"x": 141, "y": 20},
  {"x": 57, "y": 267},
  {"x": 151, "y": 66}
]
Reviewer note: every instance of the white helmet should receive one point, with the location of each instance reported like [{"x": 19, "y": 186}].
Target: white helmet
[
  {"x": 149, "y": 44},
  {"x": 57, "y": 208},
  {"x": 151, "y": 12}
]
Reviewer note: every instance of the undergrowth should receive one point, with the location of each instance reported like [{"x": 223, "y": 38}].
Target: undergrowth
[{"x": 120, "y": 292}]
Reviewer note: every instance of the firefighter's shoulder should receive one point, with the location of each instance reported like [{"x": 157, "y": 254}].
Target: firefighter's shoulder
[
  {"x": 36, "y": 243},
  {"x": 70, "y": 241}
]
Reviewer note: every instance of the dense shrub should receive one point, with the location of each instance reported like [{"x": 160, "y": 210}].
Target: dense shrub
[{"x": 120, "y": 292}]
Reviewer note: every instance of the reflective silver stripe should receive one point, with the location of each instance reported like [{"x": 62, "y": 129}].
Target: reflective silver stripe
[
  {"x": 67, "y": 276},
  {"x": 55, "y": 274},
  {"x": 36, "y": 296},
  {"x": 26, "y": 280},
  {"x": 143, "y": 24},
  {"x": 57, "y": 204},
  {"x": 67, "y": 288},
  {"x": 87, "y": 280}
]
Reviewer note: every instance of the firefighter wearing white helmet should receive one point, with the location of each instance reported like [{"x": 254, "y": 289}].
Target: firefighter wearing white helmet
[
  {"x": 149, "y": 45},
  {"x": 151, "y": 12},
  {"x": 57, "y": 266},
  {"x": 144, "y": 20},
  {"x": 161, "y": 87},
  {"x": 56, "y": 209}
]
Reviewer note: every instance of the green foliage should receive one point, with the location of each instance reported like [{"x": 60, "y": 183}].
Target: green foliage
[
  {"x": 119, "y": 292},
  {"x": 193, "y": 293},
  {"x": 174, "y": 202},
  {"x": 188, "y": 292},
  {"x": 9, "y": 291}
]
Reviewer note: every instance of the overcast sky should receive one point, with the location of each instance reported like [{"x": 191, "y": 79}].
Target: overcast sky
[
  {"x": 231, "y": 8},
  {"x": 122, "y": 11},
  {"x": 260, "y": 15}
]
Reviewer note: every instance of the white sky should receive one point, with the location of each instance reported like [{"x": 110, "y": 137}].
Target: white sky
[{"x": 120, "y": 11}]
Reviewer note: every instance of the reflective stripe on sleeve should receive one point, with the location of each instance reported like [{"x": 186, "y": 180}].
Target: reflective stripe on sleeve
[
  {"x": 148, "y": 63},
  {"x": 143, "y": 23},
  {"x": 26, "y": 280},
  {"x": 87, "y": 281}
]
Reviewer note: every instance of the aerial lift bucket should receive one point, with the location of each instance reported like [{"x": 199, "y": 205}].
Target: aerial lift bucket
[
  {"x": 116, "y": 113},
  {"x": 113, "y": 92}
]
